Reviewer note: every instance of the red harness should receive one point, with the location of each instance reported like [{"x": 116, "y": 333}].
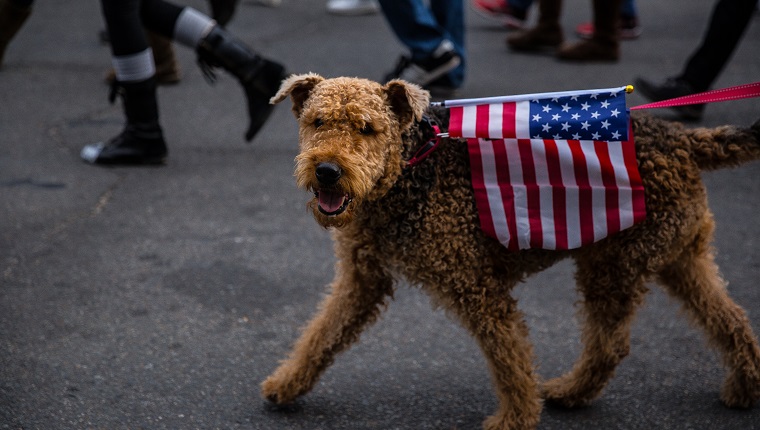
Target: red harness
[{"x": 431, "y": 129}]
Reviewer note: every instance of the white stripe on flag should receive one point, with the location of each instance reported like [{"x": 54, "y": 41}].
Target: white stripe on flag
[
  {"x": 519, "y": 192},
  {"x": 469, "y": 119},
  {"x": 625, "y": 194},
  {"x": 522, "y": 120},
  {"x": 572, "y": 201},
  {"x": 546, "y": 198},
  {"x": 598, "y": 193},
  {"x": 495, "y": 121},
  {"x": 493, "y": 191}
]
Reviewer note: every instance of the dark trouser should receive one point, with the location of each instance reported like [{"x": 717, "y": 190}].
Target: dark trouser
[
  {"x": 126, "y": 19},
  {"x": 728, "y": 22}
]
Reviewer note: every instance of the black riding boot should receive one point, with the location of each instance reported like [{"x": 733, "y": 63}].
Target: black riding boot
[
  {"x": 142, "y": 141},
  {"x": 259, "y": 77},
  {"x": 222, "y": 10}
]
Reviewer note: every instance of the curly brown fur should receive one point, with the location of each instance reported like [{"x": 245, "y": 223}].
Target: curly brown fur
[{"x": 420, "y": 224}]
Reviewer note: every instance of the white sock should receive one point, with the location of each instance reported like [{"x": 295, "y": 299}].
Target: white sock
[
  {"x": 134, "y": 67},
  {"x": 191, "y": 27}
]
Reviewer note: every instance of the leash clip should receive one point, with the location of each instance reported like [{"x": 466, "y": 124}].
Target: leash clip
[{"x": 432, "y": 130}]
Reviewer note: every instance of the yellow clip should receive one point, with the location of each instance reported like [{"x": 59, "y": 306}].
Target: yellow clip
[{"x": 628, "y": 89}]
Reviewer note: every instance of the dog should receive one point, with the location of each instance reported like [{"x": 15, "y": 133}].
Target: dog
[{"x": 393, "y": 222}]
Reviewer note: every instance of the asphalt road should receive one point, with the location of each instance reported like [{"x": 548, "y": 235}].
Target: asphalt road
[{"x": 160, "y": 298}]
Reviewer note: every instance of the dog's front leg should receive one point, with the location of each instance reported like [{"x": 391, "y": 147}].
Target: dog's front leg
[
  {"x": 500, "y": 330},
  {"x": 354, "y": 302},
  {"x": 485, "y": 308}
]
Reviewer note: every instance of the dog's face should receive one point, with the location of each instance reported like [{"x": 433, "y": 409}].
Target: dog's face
[{"x": 350, "y": 138}]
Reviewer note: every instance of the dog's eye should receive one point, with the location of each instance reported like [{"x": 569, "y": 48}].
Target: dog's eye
[
  {"x": 318, "y": 123},
  {"x": 367, "y": 129}
]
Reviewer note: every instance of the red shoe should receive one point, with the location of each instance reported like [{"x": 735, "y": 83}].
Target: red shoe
[
  {"x": 629, "y": 29},
  {"x": 513, "y": 19}
]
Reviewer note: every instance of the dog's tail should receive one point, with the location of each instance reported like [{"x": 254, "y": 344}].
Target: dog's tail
[
  {"x": 709, "y": 148},
  {"x": 724, "y": 146}
]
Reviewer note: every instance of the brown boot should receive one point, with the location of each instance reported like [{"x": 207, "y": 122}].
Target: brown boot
[
  {"x": 12, "y": 17},
  {"x": 167, "y": 69},
  {"x": 546, "y": 34},
  {"x": 588, "y": 50},
  {"x": 604, "y": 45}
]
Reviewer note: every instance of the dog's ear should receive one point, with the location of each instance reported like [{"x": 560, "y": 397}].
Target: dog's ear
[
  {"x": 408, "y": 101},
  {"x": 298, "y": 87}
]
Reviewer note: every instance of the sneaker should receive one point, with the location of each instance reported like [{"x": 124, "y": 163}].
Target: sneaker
[
  {"x": 670, "y": 89},
  {"x": 267, "y": 3},
  {"x": 423, "y": 72},
  {"x": 131, "y": 147},
  {"x": 629, "y": 29},
  {"x": 500, "y": 10},
  {"x": 352, "y": 7},
  {"x": 442, "y": 89}
]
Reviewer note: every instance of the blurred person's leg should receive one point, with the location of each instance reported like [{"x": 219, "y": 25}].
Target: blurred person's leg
[
  {"x": 728, "y": 23},
  {"x": 546, "y": 34},
  {"x": 604, "y": 45},
  {"x": 141, "y": 141},
  {"x": 13, "y": 15},
  {"x": 434, "y": 37}
]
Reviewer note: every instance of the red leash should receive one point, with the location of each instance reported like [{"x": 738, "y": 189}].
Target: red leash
[{"x": 722, "y": 95}]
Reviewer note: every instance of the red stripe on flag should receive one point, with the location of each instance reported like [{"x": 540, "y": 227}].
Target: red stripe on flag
[
  {"x": 559, "y": 199},
  {"x": 637, "y": 188},
  {"x": 508, "y": 120},
  {"x": 532, "y": 192},
  {"x": 507, "y": 192},
  {"x": 455, "y": 121},
  {"x": 611, "y": 195},
  {"x": 585, "y": 201},
  {"x": 481, "y": 121},
  {"x": 479, "y": 187}
]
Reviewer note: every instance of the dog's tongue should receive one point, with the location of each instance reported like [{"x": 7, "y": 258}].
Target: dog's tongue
[{"x": 330, "y": 201}]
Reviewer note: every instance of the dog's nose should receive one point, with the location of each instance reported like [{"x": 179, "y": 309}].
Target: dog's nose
[{"x": 328, "y": 173}]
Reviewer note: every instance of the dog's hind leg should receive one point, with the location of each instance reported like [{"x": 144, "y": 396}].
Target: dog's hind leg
[
  {"x": 500, "y": 330},
  {"x": 612, "y": 291},
  {"x": 355, "y": 301},
  {"x": 695, "y": 280}
]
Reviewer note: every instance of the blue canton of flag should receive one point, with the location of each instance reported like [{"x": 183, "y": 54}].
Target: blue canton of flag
[{"x": 592, "y": 116}]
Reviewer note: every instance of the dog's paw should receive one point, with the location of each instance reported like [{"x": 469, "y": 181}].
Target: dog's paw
[
  {"x": 508, "y": 422},
  {"x": 273, "y": 392},
  {"x": 740, "y": 392},
  {"x": 564, "y": 392},
  {"x": 285, "y": 408},
  {"x": 280, "y": 390}
]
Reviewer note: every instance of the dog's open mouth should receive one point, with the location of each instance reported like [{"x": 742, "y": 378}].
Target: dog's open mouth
[{"x": 332, "y": 202}]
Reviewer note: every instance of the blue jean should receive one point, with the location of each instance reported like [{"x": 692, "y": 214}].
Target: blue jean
[
  {"x": 628, "y": 8},
  {"x": 422, "y": 29}
]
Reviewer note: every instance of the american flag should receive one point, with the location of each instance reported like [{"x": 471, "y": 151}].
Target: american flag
[{"x": 553, "y": 170}]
